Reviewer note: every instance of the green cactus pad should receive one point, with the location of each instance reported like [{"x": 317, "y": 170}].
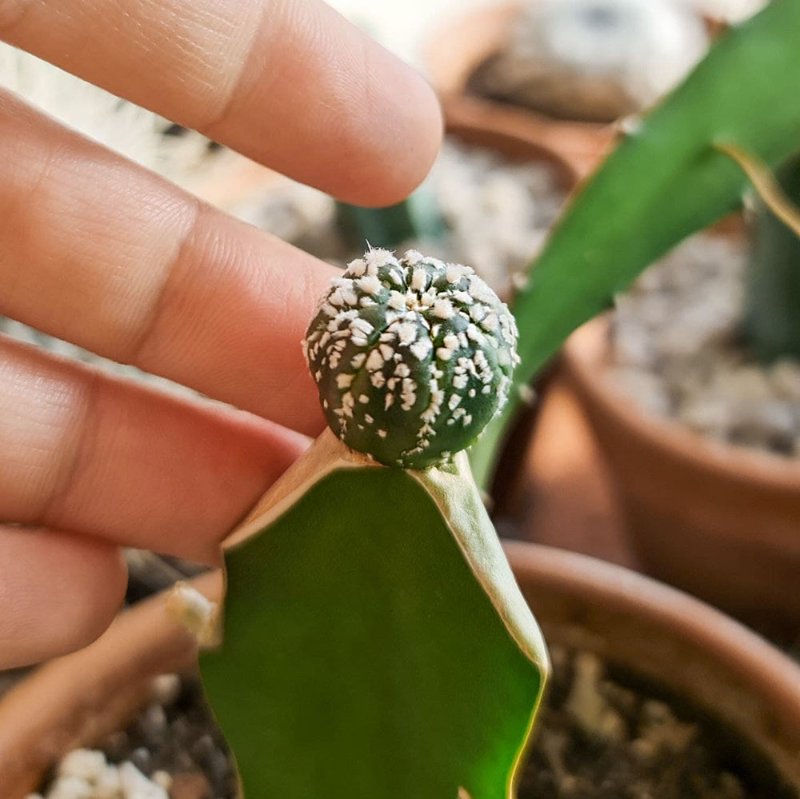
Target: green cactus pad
[
  {"x": 375, "y": 649},
  {"x": 412, "y": 357}
]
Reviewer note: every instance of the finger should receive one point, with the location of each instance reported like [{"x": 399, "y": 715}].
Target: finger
[
  {"x": 291, "y": 84},
  {"x": 58, "y": 592},
  {"x": 118, "y": 461},
  {"x": 101, "y": 253}
]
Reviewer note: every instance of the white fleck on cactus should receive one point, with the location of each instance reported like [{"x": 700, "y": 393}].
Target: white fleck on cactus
[
  {"x": 596, "y": 60},
  {"x": 412, "y": 357}
]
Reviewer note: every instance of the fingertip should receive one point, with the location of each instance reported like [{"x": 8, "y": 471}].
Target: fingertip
[
  {"x": 346, "y": 115},
  {"x": 88, "y": 611},
  {"x": 60, "y": 593},
  {"x": 397, "y": 154}
]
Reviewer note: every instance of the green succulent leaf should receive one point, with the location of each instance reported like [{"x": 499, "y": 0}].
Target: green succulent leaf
[
  {"x": 667, "y": 179},
  {"x": 375, "y": 642}
]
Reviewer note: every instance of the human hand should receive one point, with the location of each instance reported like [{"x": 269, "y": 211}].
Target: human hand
[{"x": 102, "y": 253}]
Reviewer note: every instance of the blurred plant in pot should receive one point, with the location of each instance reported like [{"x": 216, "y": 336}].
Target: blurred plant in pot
[
  {"x": 667, "y": 179},
  {"x": 489, "y": 201},
  {"x": 709, "y": 337},
  {"x": 560, "y": 71},
  {"x": 698, "y": 375},
  {"x": 593, "y": 60},
  {"x": 719, "y": 523}
]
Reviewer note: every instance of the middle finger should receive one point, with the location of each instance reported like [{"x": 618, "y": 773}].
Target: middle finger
[
  {"x": 290, "y": 83},
  {"x": 102, "y": 253}
]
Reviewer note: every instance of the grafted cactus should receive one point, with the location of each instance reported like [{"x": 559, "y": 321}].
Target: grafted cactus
[{"x": 374, "y": 642}]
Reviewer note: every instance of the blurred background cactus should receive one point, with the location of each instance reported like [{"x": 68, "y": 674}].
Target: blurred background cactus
[{"x": 772, "y": 316}]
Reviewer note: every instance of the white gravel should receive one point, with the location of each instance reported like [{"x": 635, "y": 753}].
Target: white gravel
[
  {"x": 85, "y": 774},
  {"x": 498, "y": 211},
  {"x": 677, "y": 350}
]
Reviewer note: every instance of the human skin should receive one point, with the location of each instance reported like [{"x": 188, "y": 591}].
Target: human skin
[{"x": 100, "y": 252}]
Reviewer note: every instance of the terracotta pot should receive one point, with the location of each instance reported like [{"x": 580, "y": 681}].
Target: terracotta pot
[
  {"x": 652, "y": 631},
  {"x": 720, "y": 521},
  {"x": 458, "y": 48}
]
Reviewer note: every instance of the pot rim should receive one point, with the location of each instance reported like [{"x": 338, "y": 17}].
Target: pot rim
[
  {"x": 585, "y": 355},
  {"x": 512, "y": 142},
  {"x": 494, "y": 20},
  {"x": 631, "y": 593},
  {"x": 483, "y": 28},
  {"x": 582, "y": 144}
]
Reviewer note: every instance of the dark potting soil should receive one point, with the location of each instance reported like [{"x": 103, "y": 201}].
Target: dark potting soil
[
  {"x": 180, "y": 738},
  {"x": 607, "y": 735},
  {"x": 602, "y": 735}
]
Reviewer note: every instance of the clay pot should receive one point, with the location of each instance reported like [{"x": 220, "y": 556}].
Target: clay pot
[
  {"x": 720, "y": 521},
  {"x": 459, "y": 47},
  {"x": 652, "y": 631}
]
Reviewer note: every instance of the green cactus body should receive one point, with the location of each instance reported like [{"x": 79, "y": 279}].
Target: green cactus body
[{"x": 412, "y": 357}]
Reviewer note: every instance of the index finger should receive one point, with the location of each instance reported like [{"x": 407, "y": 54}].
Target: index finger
[{"x": 291, "y": 84}]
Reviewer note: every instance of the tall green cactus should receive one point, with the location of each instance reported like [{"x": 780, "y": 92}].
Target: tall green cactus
[
  {"x": 772, "y": 324},
  {"x": 374, "y": 642}
]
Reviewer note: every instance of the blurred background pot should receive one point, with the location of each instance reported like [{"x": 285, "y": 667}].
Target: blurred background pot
[
  {"x": 455, "y": 52},
  {"x": 718, "y": 520},
  {"x": 564, "y": 73},
  {"x": 655, "y": 633}
]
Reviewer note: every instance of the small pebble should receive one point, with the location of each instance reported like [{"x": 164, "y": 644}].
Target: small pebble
[
  {"x": 136, "y": 786},
  {"x": 587, "y": 705},
  {"x": 154, "y": 722},
  {"x": 191, "y": 786},
  {"x": 141, "y": 758},
  {"x": 166, "y": 689}
]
